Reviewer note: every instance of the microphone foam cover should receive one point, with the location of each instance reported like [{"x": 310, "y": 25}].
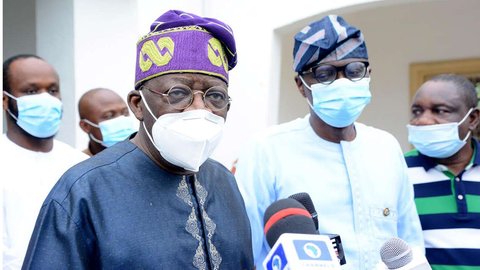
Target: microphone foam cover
[
  {"x": 292, "y": 223},
  {"x": 307, "y": 202},
  {"x": 396, "y": 253}
]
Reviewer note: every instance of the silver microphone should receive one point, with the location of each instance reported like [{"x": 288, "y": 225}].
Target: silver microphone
[{"x": 397, "y": 254}]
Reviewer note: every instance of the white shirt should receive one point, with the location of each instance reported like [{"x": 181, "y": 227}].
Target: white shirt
[
  {"x": 27, "y": 177},
  {"x": 359, "y": 188}
]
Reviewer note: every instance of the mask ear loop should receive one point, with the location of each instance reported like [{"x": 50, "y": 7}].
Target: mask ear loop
[
  {"x": 143, "y": 122},
  {"x": 466, "y": 116},
  {"x": 8, "y": 110},
  {"x": 96, "y": 140},
  {"x": 90, "y": 134},
  {"x": 304, "y": 83},
  {"x": 463, "y": 120},
  {"x": 90, "y": 123},
  {"x": 146, "y": 105},
  {"x": 308, "y": 87}
]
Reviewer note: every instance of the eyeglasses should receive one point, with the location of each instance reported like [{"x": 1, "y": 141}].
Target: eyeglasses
[
  {"x": 181, "y": 96},
  {"x": 326, "y": 74}
]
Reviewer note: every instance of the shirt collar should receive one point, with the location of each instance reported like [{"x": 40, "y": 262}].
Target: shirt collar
[{"x": 428, "y": 162}]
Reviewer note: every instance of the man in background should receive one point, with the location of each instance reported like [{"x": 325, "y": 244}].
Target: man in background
[
  {"x": 444, "y": 170},
  {"x": 355, "y": 174},
  {"x": 104, "y": 116},
  {"x": 31, "y": 159}
]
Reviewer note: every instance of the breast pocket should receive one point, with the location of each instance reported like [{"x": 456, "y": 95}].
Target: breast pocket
[{"x": 383, "y": 222}]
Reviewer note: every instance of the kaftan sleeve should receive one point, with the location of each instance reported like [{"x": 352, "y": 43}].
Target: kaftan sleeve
[
  {"x": 58, "y": 242},
  {"x": 256, "y": 182}
]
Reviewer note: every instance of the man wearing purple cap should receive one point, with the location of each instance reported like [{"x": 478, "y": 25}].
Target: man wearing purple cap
[
  {"x": 355, "y": 174},
  {"x": 156, "y": 201}
]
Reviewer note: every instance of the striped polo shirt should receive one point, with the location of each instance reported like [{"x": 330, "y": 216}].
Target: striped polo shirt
[{"x": 449, "y": 210}]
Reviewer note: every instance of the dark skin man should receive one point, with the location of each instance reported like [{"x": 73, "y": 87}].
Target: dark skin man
[
  {"x": 98, "y": 105},
  {"x": 29, "y": 76},
  {"x": 440, "y": 102},
  {"x": 322, "y": 129},
  {"x": 160, "y": 106}
]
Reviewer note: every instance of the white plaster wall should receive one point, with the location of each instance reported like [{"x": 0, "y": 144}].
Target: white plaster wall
[
  {"x": 18, "y": 32},
  {"x": 54, "y": 42},
  {"x": 105, "y": 37}
]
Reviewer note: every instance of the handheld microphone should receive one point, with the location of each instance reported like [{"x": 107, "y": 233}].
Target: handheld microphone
[
  {"x": 307, "y": 202},
  {"x": 397, "y": 254},
  {"x": 296, "y": 245}
]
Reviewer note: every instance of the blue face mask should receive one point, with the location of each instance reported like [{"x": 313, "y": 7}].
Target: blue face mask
[
  {"x": 340, "y": 103},
  {"x": 39, "y": 115},
  {"x": 113, "y": 130},
  {"x": 437, "y": 141}
]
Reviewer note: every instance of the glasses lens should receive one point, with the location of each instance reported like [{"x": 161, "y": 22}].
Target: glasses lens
[
  {"x": 216, "y": 98},
  {"x": 355, "y": 71},
  {"x": 179, "y": 97},
  {"x": 325, "y": 73}
]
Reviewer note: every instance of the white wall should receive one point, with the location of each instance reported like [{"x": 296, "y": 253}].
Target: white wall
[
  {"x": 45, "y": 28},
  {"x": 19, "y": 28},
  {"x": 105, "y": 38},
  {"x": 18, "y": 32},
  {"x": 54, "y": 42}
]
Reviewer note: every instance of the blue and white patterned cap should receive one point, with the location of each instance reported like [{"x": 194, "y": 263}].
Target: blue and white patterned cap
[{"x": 327, "y": 40}]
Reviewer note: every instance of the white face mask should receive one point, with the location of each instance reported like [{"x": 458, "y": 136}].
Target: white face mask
[
  {"x": 186, "y": 139},
  {"x": 437, "y": 141}
]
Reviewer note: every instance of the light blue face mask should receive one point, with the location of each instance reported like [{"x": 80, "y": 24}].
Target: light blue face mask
[
  {"x": 113, "y": 130},
  {"x": 437, "y": 141},
  {"x": 340, "y": 103},
  {"x": 39, "y": 115}
]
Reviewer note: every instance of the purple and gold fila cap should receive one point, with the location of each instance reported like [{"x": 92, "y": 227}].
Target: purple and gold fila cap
[{"x": 181, "y": 42}]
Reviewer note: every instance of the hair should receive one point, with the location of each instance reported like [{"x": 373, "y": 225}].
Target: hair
[
  {"x": 463, "y": 84},
  {"x": 84, "y": 99},
  {"x": 6, "y": 68}
]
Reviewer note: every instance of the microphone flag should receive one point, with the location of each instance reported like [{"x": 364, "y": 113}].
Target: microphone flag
[{"x": 294, "y": 251}]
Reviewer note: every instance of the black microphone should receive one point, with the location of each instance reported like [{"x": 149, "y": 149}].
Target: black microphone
[
  {"x": 397, "y": 254},
  {"x": 307, "y": 202},
  {"x": 286, "y": 216},
  {"x": 294, "y": 240}
]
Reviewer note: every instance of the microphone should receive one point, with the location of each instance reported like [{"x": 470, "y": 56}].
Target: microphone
[
  {"x": 291, "y": 232},
  {"x": 397, "y": 254},
  {"x": 286, "y": 215},
  {"x": 307, "y": 202}
]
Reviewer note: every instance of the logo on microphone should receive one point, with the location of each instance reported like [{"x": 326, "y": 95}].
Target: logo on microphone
[
  {"x": 276, "y": 263},
  {"x": 312, "y": 250}
]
